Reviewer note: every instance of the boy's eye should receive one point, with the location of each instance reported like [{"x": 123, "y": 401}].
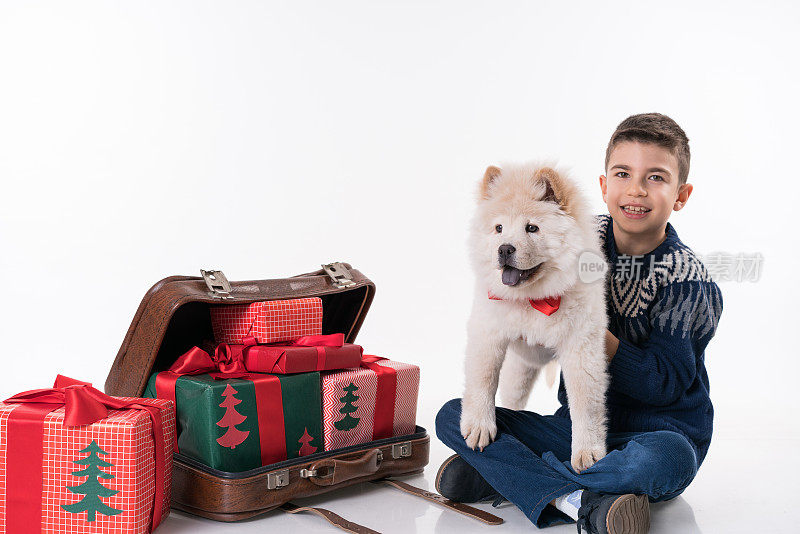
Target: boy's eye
[
  {"x": 498, "y": 228},
  {"x": 531, "y": 228},
  {"x": 657, "y": 177},
  {"x": 620, "y": 173}
]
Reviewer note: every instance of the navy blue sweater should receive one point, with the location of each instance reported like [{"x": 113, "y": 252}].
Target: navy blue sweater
[{"x": 664, "y": 308}]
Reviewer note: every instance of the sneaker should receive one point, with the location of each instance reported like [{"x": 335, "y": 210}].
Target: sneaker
[
  {"x": 460, "y": 482},
  {"x": 614, "y": 514}
]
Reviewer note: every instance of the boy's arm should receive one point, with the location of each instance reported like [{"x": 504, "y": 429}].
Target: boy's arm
[
  {"x": 684, "y": 317},
  {"x": 612, "y": 344}
]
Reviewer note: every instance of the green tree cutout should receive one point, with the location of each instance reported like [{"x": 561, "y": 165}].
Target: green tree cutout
[
  {"x": 348, "y": 422},
  {"x": 92, "y": 487}
]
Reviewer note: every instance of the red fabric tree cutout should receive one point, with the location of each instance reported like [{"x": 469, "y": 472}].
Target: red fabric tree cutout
[
  {"x": 306, "y": 448},
  {"x": 233, "y": 436}
]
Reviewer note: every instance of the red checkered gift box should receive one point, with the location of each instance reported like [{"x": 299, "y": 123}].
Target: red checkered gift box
[
  {"x": 375, "y": 401},
  {"x": 267, "y": 322},
  {"x": 61, "y": 474}
]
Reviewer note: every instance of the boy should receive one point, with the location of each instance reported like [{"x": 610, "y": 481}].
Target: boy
[{"x": 663, "y": 309}]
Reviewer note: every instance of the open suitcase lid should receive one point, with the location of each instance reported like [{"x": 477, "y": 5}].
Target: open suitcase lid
[{"x": 173, "y": 315}]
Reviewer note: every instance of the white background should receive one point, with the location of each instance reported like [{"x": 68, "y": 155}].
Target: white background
[{"x": 144, "y": 139}]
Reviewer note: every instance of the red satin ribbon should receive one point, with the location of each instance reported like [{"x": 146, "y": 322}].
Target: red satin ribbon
[
  {"x": 319, "y": 342},
  {"x": 196, "y": 361},
  {"x": 547, "y": 305},
  {"x": 271, "y": 426},
  {"x": 383, "y": 427},
  {"x": 323, "y": 340},
  {"x": 228, "y": 363},
  {"x": 83, "y": 405},
  {"x": 229, "y": 360}
]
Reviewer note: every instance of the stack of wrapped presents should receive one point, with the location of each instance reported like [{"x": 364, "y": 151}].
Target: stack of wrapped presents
[
  {"x": 269, "y": 387},
  {"x": 273, "y": 387}
]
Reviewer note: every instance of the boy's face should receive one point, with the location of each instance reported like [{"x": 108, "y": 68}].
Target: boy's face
[{"x": 645, "y": 175}]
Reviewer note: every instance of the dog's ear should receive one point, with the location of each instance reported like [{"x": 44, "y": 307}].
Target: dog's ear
[
  {"x": 491, "y": 173},
  {"x": 552, "y": 184}
]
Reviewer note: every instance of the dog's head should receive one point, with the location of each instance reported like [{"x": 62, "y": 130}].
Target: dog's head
[{"x": 529, "y": 229}]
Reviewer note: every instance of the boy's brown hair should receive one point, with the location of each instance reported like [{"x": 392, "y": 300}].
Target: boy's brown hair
[{"x": 657, "y": 129}]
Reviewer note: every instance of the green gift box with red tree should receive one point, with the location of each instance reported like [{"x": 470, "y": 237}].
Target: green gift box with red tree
[{"x": 238, "y": 424}]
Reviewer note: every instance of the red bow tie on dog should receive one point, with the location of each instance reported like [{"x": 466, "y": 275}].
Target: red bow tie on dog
[{"x": 547, "y": 305}]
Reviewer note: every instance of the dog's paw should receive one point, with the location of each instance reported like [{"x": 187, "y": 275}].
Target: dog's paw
[
  {"x": 583, "y": 459},
  {"x": 478, "y": 430}
]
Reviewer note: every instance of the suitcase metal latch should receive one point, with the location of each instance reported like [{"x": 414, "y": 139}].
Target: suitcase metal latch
[
  {"x": 308, "y": 473},
  {"x": 401, "y": 450},
  {"x": 339, "y": 274},
  {"x": 278, "y": 479},
  {"x": 218, "y": 285}
]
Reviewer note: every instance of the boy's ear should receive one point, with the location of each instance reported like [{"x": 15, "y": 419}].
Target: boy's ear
[
  {"x": 491, "y": 174},
  {"x": 603, "y": 186},
  {"x": 684, "y": 192}
]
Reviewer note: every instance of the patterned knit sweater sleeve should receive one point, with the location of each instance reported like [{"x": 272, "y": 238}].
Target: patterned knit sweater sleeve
[{"x": 683, "y": 319}]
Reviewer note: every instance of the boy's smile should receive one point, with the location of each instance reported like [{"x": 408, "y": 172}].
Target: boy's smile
[{"x": 641, "y": 191}]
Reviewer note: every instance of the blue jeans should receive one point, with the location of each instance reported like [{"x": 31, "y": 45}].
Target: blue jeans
[{"x": 529, "y": 461}]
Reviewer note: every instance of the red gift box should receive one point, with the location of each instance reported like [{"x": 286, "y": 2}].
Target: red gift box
[
  {"x": 308, "y": 353},
  {"x": 375, "y": 401},
  {"x": 74, "y": 460},
  {"x": 267, "y": 322}
]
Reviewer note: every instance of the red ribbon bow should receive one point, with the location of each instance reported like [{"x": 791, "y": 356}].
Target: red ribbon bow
[
  {"x": 83, "y": 405},
  {"x": 196, "y": 361}
]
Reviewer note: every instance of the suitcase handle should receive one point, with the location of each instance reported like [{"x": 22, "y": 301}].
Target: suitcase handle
[{"x": 331, "y": 471}]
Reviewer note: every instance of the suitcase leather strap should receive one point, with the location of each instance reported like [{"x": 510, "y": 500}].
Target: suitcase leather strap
[
  {"x": 333, "y": 471},
  {"x": 334, "y": 519},
  {"x": 461, "y": 508}
]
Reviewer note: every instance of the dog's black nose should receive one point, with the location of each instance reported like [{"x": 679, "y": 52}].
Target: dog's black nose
[{"x": 505, "y": 252}]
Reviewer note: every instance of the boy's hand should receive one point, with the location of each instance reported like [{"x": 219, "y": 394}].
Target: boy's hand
[{"x": 612, "y": 344}]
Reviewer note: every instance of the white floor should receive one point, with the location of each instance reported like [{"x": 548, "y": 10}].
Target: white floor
[{"x": 737, "y": 490}]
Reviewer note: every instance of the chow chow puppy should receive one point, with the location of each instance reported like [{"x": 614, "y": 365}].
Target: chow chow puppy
[{"x": 531, "y": 226}]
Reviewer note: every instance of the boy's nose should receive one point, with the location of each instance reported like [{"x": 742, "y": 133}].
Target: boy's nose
[{"x": 635, "y": 189}]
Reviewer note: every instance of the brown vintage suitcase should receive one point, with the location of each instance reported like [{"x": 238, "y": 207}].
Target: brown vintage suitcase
[{"x": 173, "y": 317}]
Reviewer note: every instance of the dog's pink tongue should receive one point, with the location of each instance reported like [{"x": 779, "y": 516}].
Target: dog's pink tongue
[{"x": 511, "y": 276}]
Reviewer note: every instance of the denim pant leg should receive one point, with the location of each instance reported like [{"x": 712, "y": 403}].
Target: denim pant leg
[
  {"x": 660, "y": 464},
  {"x": 512, "y": 463}
]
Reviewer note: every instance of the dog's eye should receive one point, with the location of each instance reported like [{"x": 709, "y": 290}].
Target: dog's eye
[
  {"x": 498, "y": 228},
  {"x": 531, "y": 228}
]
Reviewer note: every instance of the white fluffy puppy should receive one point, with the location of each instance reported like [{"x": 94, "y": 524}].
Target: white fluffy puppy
[{"x": 531, "y": 227}]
